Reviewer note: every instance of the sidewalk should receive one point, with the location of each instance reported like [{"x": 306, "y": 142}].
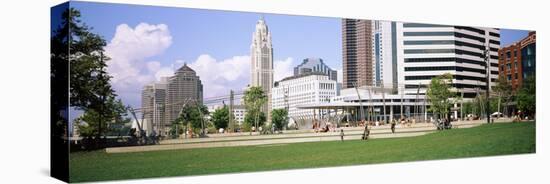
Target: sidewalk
[{"x": 352, "y": 133}]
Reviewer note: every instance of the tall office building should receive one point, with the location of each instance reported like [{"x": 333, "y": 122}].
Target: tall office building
[
  {"x": 428, "y": 50},
  {"x": 384, "y": 57},
  {"x": 153, "y": 99},
  {"x": 184, "y": 86},
  {"x": 517, "y": 61},
  {"x": 261, "y": 53},
  {"x": 357, "y": 52},
  {"x": 310, "y": 65}
]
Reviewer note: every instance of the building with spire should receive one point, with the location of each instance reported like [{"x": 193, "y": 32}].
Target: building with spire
[{"x": 261, "y": 54}]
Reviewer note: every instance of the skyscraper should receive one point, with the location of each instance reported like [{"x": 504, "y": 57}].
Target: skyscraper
[
  {"x": 261, "y": 54},
  {"x": 184, "y": 86},
  {"x": 385, "y": 53},
  {"x": 310, "y": 65},
  {"x": 357, "y": 52}
]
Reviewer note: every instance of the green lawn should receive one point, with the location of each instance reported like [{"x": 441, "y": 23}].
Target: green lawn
[{"x": 485, "y": 140}]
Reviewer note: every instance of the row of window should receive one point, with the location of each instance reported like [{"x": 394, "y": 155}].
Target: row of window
[
  {"x": 422, "y": 25},
  {"x": 447, "y": 59},
  {"x": 456, "y": 85},
  {"x": 479, "y": 31},
  {"x": 440, "y": 68},
  {"x": 447, "y": 42},
  {"x": 457, "y": 77}
]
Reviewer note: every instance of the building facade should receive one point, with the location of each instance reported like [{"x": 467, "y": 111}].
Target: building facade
[
  {"x": 384, "y": 57},
  {"x": 517, "y": 61},
  {"x": 429, "y": 50},
  {"x": 261, "y": 53},
  {"x": 310, "y": 65},
  {"x": 357, "y": 53},
  {"x": 183, "y": 88},
  {"x": 153, "y": 100},
  {"x": 310, "y": 88}
]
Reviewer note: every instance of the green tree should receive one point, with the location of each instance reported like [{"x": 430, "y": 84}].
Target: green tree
[
  {"x": 220, "y": 117},
  {"x": 112, "y": 117},
  {"x": 89, "y": 87},
  {"x": 503, "y": 88},
  {"x": 255, "y": 119},
  {"x": 193, "y": 115},
  {"x": 526, "y": 97},
  {"x": 254, "y": 99},
  {"x": 279, "y": 117},
  {"x": 468, "y": 108},
  {"x": 440, "y": 95}
]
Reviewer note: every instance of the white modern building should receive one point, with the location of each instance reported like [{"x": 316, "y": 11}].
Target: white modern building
[
  {"x": 384, "y": 40},
  {"x": 410, "y": 55},
  {"x": 239, "y": 112},
  {"x": 261, "y": 54},
  {"x": 426, "y": 51},
  {"x": 310, "y": 88}
]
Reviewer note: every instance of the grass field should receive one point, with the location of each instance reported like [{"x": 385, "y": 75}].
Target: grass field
[{"x": 485, "y": 140}]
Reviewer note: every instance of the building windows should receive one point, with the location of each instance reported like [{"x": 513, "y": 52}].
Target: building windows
[
  {"x": 494, "y": 34},
  {"x": 422, "y": 25},
  {"x": 461, "y": 35},
  {"x": 428, "y": 51},
  {"x": 509, "y": 77},
  {"x": 508, "y": 66},
  {"x": 428, "y": 34},
  {"x": 479, "y": 31},
  {"x": 429, "y": 42}
]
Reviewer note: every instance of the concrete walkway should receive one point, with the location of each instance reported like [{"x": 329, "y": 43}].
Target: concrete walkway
[{"x": 351, "y": 133}]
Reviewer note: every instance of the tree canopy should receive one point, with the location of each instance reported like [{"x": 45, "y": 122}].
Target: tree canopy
[
  {"x": 526, "y": 96},
  {"x": 440, "y": 95},
  {"x": 89, "y": 87},
  {"x": 220, "y": 117},
  {"x": 254, "y": 99},
  {"x": 192, "y": 114},
  {"x": 279, "y": 117}
]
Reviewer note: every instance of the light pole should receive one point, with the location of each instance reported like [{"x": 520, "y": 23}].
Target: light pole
[{"x": 488, "y": 80}]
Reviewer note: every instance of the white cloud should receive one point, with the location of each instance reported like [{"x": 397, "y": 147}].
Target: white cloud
[
  {"x": 218, "y": 77},
  {"x": 129, "y": 51},
  {"x": 283, "y": 68}
]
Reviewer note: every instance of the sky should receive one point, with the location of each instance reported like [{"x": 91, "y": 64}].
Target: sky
[{"x": 149, "y": 42}]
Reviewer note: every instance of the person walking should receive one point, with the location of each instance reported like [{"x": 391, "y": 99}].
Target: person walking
[
  {"x": 342, "y": 135},
  {"x": 393, "y": 126},
  {"x": 366, "y": 132}
]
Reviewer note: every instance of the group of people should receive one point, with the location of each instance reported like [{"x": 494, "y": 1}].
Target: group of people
[{"x": 317, "y": 127}]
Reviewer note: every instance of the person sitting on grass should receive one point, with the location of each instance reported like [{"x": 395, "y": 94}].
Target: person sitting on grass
[{"x": 325, "y": 129}]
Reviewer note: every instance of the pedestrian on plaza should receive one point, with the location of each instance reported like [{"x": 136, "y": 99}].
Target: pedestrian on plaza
[
  {"x": 393, "y": 122},
  {"x": 342, "y": 135},
  {"x": 366, "y": 132}
]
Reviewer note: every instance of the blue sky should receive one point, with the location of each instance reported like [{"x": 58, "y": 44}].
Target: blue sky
[{"x": 146, "y": 42}]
